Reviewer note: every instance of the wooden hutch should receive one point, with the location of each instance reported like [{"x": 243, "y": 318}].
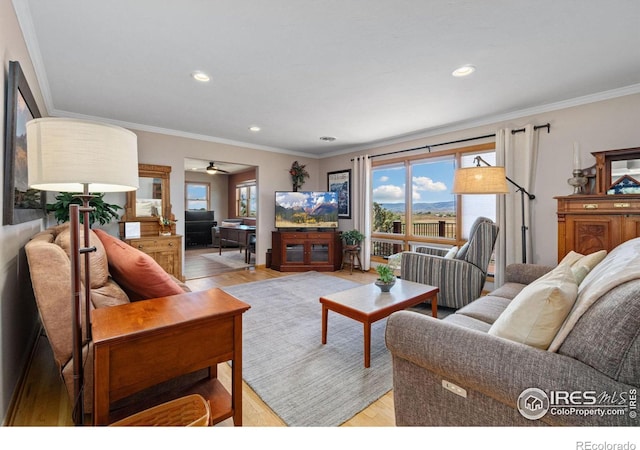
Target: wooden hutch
[
  {"x": 600, "y": 219},
  {"x": 161, "y": 243}
]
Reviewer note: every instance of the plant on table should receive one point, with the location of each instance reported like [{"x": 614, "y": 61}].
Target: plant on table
[
  {"x": 386, "y": 278},
  {"x": 385, "y": 273},
  {"x": 352, "y": 237}
]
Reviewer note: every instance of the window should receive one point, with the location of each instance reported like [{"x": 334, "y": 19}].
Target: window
[
  {"x": 246, "y": 199},
  {"x": 196, "y": 196},
  {"x": 425, "y": 213}
]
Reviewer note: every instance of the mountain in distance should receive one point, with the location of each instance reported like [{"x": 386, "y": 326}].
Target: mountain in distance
[{"x": 436, "y": 207}]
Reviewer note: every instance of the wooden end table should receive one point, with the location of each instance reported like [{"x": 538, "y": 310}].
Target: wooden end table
[
  {"x": 367, "y": 304},
  {"x": 145, "y": 343}
]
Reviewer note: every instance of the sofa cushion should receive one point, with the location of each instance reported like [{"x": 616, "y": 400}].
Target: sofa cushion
[
  {"x": 537, "y": 313},
  {"x": 109, "y": 295},
  {"x": 136, "y": 272},
  {"x": 508, "y": 290},
  {"x": 486, "y": 309},
  {"x": 467, "y": 322},
  {"x": 98, "y": 265}
]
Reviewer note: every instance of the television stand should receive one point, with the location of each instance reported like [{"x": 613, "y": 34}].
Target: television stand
[{"x": 301, "y": 251}]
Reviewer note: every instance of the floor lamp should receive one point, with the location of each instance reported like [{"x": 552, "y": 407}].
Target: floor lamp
[
  {"x": 490, "y": 179},
  {"x": 69, "y": 155}
]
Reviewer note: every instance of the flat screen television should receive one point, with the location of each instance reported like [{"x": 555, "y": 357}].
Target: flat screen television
[{"x": 306, "y": 209}]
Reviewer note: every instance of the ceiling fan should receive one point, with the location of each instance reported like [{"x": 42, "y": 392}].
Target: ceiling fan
[{"x": 213, "y": 169}]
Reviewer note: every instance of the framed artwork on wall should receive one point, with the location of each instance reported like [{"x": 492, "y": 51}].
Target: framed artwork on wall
[
  {"x": 21, "y": 204},
  {"x": 340, "y": 182}
]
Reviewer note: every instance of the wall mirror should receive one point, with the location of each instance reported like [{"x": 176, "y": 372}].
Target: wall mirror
[
  {"x": 151, "y": 200},
  {"x": 611, "y": 165}
]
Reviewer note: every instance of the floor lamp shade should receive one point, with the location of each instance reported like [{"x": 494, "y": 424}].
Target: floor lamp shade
[
  {"x": 480, "y": 180},
  {"x": 68, "y": 155}
]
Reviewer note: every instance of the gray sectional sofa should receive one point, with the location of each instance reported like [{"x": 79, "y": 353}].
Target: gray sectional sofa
[{"x": 453, "y": 372}]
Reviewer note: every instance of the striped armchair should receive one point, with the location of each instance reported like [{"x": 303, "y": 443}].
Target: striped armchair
[{"x": 460, "y": 278}]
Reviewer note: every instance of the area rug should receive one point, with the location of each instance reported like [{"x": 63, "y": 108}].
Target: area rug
[
  {"x": 304, "y": 382},
  {"x": 233, "y": 259}
]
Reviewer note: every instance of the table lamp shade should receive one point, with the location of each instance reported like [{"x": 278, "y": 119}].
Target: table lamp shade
[
  {"x": 480, "y": 180},
  {"x": 64, "y": 155}
]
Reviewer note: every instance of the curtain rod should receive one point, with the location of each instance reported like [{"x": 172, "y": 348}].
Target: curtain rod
[
  {"x": 536, "y": 127},
  {"x": 433, "y": 145}
]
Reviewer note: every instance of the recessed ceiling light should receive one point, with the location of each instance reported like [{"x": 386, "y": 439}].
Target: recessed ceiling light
[
  {"x": 200, "y": 76},
  {"x": 327, "y": 138},
  {"x": 464, "y": 71},
  {"x": 254, "y": 128}
]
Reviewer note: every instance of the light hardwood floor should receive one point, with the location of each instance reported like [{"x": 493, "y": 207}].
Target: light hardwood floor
[{"x": 43, "y": 400}]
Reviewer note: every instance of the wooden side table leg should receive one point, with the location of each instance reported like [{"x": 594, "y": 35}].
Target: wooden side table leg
[
  {"x": 325, "y": 318},
  {"x": 367, "y": 345},
  {"x": 236, "y": 373}
]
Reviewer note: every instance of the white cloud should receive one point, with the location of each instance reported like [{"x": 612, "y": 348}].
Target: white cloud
[
  {"x": 427, "y": 184},
  {"x": 388, "y": 193},
  {"x": 384, "y": 178}
]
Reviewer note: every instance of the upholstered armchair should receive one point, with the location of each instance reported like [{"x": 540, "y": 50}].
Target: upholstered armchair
[{"x": 459, "y": 275}]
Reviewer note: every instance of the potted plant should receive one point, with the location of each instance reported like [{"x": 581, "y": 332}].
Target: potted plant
[
  {"x": 386, "y": 278},
  {"x": 352, "y": 238},
  {"x": 103, "y": 212}
]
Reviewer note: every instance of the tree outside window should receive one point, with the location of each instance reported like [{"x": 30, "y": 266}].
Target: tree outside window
[{"x": 246, "y": 200}]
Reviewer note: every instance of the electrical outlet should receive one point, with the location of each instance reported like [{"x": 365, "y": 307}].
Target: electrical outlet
[{"x": 449, "y": 386}]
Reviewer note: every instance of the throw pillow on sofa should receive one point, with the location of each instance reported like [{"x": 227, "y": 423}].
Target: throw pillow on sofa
[
  {"x": 536, "y": 314},
  {"x": 581, "y": 264},
  {"x": 136, "y": 272}
]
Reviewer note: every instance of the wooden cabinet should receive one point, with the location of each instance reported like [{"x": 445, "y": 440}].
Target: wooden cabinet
[
  {"x": 295, "y": 251},
  {"x": 588, "y": 223},
  {"x": 165, "y": 250}
]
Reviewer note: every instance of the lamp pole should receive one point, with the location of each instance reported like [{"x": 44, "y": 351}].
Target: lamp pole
[{"x": 523, "y": 192}]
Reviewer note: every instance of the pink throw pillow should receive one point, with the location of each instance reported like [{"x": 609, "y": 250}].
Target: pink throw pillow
[{"x": 136, "y": 272}]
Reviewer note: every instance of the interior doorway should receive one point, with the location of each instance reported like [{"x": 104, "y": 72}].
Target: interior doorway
[{"x": 216, "y": 192}]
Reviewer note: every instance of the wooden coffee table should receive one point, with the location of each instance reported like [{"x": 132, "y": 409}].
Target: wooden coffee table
[{"x": 367, "y": 304}]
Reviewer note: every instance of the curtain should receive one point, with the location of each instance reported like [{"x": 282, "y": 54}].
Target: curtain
[
  {"x": 518, "y": 154},
  {"x": 361, "y": 204}
]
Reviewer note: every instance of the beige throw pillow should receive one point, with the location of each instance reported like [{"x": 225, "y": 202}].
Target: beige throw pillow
[
  {"x": 581, "y": 264},
  {"x": 536, "y": 314},
  {"x": 584, "y": 265}
]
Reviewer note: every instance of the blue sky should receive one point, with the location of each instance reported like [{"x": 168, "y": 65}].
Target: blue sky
[{"x": 432, "y": 183}]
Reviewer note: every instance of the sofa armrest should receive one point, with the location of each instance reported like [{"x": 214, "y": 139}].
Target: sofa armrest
[
  {"x": 525, "y": 273},
  {"x": 491, "y": 367}
]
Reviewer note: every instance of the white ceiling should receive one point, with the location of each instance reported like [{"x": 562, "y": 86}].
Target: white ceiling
[{"x": 363, "y": 71}]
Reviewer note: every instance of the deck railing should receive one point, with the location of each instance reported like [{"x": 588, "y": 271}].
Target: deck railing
[{"x": 440, "y": 228}]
